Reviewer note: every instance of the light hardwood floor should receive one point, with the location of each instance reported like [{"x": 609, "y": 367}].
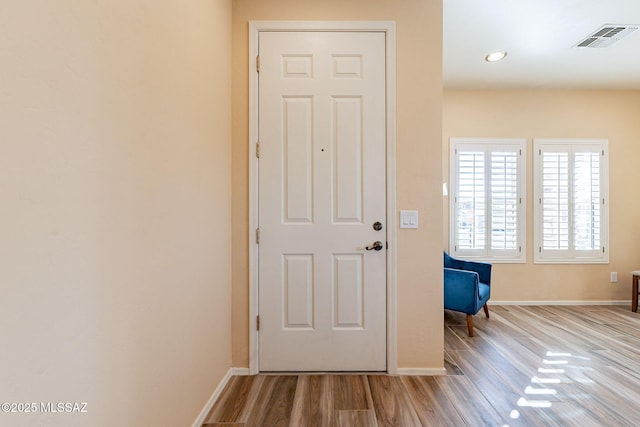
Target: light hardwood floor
[{"x": 526, "y": 366}]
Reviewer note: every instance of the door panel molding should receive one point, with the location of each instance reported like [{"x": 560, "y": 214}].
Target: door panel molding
[{"x": 348, "y": 67}]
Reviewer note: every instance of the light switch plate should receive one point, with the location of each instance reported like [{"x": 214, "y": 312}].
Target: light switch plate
[{"x": 408, "y": 219}]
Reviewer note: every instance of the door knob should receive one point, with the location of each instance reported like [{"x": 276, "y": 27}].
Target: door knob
[{"x": 377, "y": 245}]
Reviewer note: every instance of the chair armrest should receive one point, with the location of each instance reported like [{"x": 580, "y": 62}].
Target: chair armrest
[
  {"x": 461, "y": 291},
  {"x": 482, "y": 268}
]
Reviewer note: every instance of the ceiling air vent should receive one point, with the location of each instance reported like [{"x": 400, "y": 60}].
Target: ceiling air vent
[{"x": 607, "y": 35}]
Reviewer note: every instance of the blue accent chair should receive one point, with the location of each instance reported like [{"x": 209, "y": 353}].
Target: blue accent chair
[{"x": 467, "y": 287}]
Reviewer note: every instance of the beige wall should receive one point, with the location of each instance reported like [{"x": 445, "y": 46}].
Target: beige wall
[
  {"x": 419, "y": 92},
  {"x": 612, "y": 115},
  {"x": 115, "y": 182}
]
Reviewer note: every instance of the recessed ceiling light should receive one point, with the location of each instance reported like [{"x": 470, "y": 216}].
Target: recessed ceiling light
[{"x": 495, "y": 56}]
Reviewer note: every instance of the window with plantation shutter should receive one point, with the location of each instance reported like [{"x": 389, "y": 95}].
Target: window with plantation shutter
[
  {"x": 487, "y": 200},
  {"x": 571, "y": 210}
]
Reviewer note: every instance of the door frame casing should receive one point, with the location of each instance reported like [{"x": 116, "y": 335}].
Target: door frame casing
[{"x": 389, "y": 28}]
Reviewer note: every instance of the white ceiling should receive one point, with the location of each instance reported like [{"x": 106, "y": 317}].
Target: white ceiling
[{"x": 539, "y": 36}]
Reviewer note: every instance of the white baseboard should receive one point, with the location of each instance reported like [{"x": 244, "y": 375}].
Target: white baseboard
[
  {"x": 216, "y": 394},
  {"x": 561, "y": 302},
  {"x": 421, "y": 371},
  {"x": 240, "y": 372}
]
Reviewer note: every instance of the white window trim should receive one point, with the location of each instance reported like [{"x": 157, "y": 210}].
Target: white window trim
[
  {"x": 542, "y": 257},
  {"x": 454, "y": 144}
]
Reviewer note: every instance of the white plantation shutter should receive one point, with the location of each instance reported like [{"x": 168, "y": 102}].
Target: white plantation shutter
[
  {"x": 470, "y": 217},
  {"x": 555, "y": 200},
  {"x": 504, "y": 200},
  {"x": 571, "y": 179},
  {"x": 487, "y": 199},
  {"x": 587, "y": 201}
]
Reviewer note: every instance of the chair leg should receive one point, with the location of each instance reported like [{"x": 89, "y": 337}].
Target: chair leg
[
  {"x": 470, "y": 324},
  {"x": 486, "y": 310},
  {"x": 634, "y": 294}
]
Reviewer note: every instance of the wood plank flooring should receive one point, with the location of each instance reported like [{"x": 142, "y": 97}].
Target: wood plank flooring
[{"x": 526, "y": 366}]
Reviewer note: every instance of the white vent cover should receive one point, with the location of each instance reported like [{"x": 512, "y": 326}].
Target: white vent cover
[{"x": 607, "y": 35}]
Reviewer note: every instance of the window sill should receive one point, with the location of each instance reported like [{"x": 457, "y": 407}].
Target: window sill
[
  {"x": 490, "y": 260},
  {"x": 571, "y": 261}
]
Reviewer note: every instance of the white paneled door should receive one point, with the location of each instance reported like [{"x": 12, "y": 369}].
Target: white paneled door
[{"x": 322, "y": 277}]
